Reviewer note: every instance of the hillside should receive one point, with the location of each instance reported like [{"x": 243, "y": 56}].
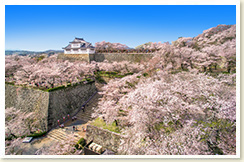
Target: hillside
[
  {"x": 181, "y": 102},
  {"x": 25, "y": 53}
]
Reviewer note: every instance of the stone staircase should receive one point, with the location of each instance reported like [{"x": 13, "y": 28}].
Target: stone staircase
[
  {"x": 89, "y": 109},
  {"x": 60, "y": 134}
]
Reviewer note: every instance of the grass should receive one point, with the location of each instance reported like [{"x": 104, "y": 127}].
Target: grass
[
  {"x": 102, "y": 124},
  {"x": 110, "y": 74},
  {"x": 69, "y": 85},
  {"x": 10, "y": 83},
  {"x": 89, "y": 80},
  {"x": 34, "y": 135},
  {"x": 171, "y": 126},
  {"x": 37, "y": 134}
]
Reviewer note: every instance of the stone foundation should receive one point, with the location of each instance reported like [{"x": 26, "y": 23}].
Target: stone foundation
[
  {"x": 50, "y": 106},
  {"x": 111, "y": 57},
  {"x": 74, "y": 57},
  {"x": 103, "y": 137}
]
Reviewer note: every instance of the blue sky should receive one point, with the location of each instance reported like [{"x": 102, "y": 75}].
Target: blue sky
[{"x": 40, "y": 27}]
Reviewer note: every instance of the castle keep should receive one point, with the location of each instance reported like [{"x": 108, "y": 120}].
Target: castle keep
[{"x": 79, "y": 46}]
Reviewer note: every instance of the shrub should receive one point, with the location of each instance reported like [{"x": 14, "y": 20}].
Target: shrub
[
  {"x": 80, "y": 144},
  {"x": 145, "y": 74},
  {"x": 138, "y": 77},
  {"x": 40, "y": 58},
  {"x": 55, "y": 88},
  {"x": 37, "y": 134},
  {"x": 100, "y": 79},
  {"x": 10, "y": 83},
  {"x": 88, "y": 79},
  {"x": 129, "y": 74},
  {"x": 111, "y": 72}
]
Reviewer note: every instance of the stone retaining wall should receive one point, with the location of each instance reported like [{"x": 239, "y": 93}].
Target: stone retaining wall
[
  {"x": 103, "y": 137},
  {"x": 111, "y": 57},
  {"x": 50, "y": 106},
  {"x": 74, "y": 57},
  {"x": 68, "y": 101},
  {"x": 118, "y": 57},
  {"x": 28, "y": 100}
]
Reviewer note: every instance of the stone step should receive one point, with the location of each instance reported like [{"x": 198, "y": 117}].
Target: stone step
[
  {"x": 60, "y": 135},
  {"x": 84, "y": 118},
  {"x": 83, "y": 115},
  {"x": 58, "y": 131},
  {"x": 57, "y": 137},
  {"x": 57, "y": 134},
  {"x": 63, "y": 139}
]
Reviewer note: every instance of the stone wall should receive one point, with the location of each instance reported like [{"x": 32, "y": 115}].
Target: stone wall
[
  {"x": 28, "y": 100},
  {"x": 74, "y": 57},
  {"x": 68, "y": 101},
  {"x": 50, "y": 106},
  {"x": 103, "y": 137},
  {"x": 92, "y": 57},
  {"x": 118, "y": 57},
  {"x": 111, "y": 57}
]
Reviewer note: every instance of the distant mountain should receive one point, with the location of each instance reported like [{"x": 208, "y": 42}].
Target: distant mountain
[{"x": 24, "y": 53}]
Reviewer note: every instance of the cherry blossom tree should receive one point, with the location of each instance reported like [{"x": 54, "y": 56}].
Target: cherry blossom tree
[
  {"x": 168, "y": 106},
  {"x": 65, "y": 147},
  {"x": 19, "y": 123},
  {"x": 110, "y": 47},
  {"x": 52, "y": 72},
  {"x": 184, "y": 107},
  {"x": 14, "y": 147},
  {"x": 215, "y": 49}
]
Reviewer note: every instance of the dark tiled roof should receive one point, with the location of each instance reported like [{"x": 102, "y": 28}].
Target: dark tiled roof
[
  {"x": 67, "y": 47},
  {"x": 74, "y": 42},
  {"x": 83, "y": 43},
  {"x": 79, "y": 38}
]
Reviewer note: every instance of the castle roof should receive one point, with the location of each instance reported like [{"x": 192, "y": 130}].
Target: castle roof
[
  {"x": 78, "y": 40},
  {"x": 82, "y": 44}
]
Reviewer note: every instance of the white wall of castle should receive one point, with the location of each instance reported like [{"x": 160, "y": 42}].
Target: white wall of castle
[{"x": 80, "y": 51}]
